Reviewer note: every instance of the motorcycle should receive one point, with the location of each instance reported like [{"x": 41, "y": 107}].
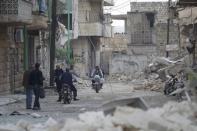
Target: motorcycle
[
  {"x": 66, "y": 94},
  {"x": 175, "y": 86},
  {"x": 96, "y": 83}
]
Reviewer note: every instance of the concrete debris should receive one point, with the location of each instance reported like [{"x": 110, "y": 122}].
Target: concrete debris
[
  {"x": 163, "y": 66},
  {"x": 81, "y": 83},
  {"x": 171, "y": 117},
  {"x": 17, "y": 113},
  {"x": 152, "y": 85},
  {"x": 36, "y": 115},
  {"x": 126, "y": 77}
]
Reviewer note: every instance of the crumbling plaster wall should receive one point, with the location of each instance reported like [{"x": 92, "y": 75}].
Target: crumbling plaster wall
[
  {"x": 117, "y": 43},
  {"x": 127, "y": 64},
  {"x": 159, "y": 31},
  {"x": 138, "y": 29},
  {"x": 89, "y": 11},
  {"x": 82, "y": 56},
  {"x": 159, "y": 8},
  {"x": 86, "y": 47},
  {"x": 11, "y": 61},
  {"x": 161, "y": 39},
  {"x": 4, "y": 63}
]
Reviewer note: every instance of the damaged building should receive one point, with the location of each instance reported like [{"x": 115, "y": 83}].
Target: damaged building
[
  {"x": 91, "y": 27},
  {"x": 12, "y": 21},
  {"x": 187, "y": 15},
  {"x": 23, "y": 41},
  {"x": 145, "y": 37}
]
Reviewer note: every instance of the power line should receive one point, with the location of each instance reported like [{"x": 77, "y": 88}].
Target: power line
[
  {"x": 121, "y": 7},
  {"x": 122, "y": 3}
]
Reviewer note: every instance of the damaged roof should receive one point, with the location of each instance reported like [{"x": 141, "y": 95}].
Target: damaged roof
[{"x": 187, "y": 3}]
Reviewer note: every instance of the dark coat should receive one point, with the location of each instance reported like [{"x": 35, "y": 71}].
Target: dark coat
[
  {"x": 36, "y": 77},
  {"x": 58, "y": 74},
  {"x": 67, "y": 78},
  {"x": 26, "y": 76}
]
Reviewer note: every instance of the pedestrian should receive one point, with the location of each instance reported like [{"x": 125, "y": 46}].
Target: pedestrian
[
  {"x": 28, "y": 88},
  {"x": 58, "y": 75},
  {"x": 36, "y": 81},
  {"x": 68, "y": 79}
]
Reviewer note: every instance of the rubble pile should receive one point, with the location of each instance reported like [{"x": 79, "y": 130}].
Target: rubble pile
[
  {"x": 126, "y": 77},
  {"x": 155, "y": 73},
  {"x": 81, "y": 83},
  {"x": 150, "y": 84},
  {"x": 161, "y": 67},
  {"x": 171, "y": 117}
]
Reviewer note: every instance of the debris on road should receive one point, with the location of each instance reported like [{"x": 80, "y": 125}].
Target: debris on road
[
  {"x": 17, "y": 113},
  {"x": 36, "y": 115},
  {"x": 171, "y": 117},
  {"x": 82, "y": 83}
]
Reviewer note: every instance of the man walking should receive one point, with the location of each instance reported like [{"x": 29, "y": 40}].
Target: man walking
[
  {"x": 28, "y": 88},
  {"x": 68, "y": 79},
  {"x": 36, "y": 81},
  {"x": 58, "y": 75}
]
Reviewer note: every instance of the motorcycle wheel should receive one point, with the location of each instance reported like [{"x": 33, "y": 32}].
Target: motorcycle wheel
[{"x": 67, "y": 98}]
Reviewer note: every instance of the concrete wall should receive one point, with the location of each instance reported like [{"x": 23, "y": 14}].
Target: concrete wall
[
  {"x": 138, "y": 28},
  {"x": 91, "y": 19},
  {"x": 160, "y": 8},
  {"x": 82, "y": 52},
  {"x": 127, "y": 64},
  {"x": 147, "y": 50},
  {"x": 11, "y": 61},
  {"x": 90, "y": 11},
  {"x": 117, "y": 43},
  {"x": 90, "y": 29},
  {"x": 161, "y": 38}
]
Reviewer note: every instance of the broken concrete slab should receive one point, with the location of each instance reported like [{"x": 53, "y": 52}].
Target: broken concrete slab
[
  {"x": 36, "y": 115},
  {"x": 9, "y": 99},
  {"x": 172, "y": 116}
]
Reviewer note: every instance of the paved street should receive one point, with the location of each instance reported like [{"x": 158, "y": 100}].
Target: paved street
[{"x": 89, "y": 101}]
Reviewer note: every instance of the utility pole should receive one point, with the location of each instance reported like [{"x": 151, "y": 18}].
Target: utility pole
[
  {"x": 68, "y": 47},
  {"x": 52, "y": 45},
  {"x": 168, "y": 27}
]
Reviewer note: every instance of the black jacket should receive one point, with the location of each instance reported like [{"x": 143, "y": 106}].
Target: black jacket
[
  {"x": 58, "y": 74},
  {"x": 67, "y": 78},
  {"x": 36, "y": 77}
]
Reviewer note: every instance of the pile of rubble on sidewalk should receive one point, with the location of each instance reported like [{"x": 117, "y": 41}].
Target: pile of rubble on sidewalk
[
  {"x": 171, "y": 117},
  {"x": 154, "y": 75},
  {"x": 82, "y": 83}
]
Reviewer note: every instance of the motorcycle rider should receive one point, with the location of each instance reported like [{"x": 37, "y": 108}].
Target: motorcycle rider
[
  {"x": 95, "y": 73},
  {"x": 68, "y": 79}
]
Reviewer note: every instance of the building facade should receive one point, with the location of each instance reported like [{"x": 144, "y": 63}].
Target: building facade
[
  {"x": 146, "y": 38},
  {"x": 91, "y": 28},
  {"x": 13, "y": 18}
]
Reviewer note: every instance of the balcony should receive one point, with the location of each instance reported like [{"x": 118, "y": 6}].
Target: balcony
[
  {"x": 15, "y": 11},
  {"x": 108, "y": 2},
  {"x": 90, "y": 29},
  {"x": 39, "y": 16},
  {"x": 38, "y": 22}
]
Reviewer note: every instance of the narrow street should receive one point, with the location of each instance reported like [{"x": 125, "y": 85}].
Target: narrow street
[
  {"x": 89, "y": 101},
  {"x": 143, "y": 52}
]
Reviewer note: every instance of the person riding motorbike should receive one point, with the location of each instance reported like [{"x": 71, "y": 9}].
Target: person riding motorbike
[
  {"x": 68, "y": 79},
  {"x": 97, "y": 74}
]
